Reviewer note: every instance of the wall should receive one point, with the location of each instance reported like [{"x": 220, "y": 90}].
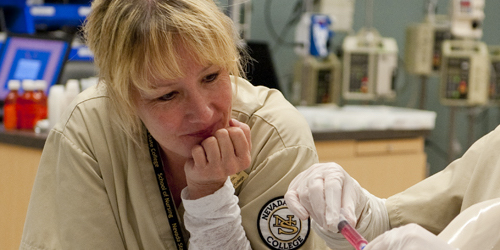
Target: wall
[{"x": 390, "y": 18}]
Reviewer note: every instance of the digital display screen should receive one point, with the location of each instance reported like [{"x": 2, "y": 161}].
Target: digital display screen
[
  {"x": 358, "y": 80},
  {"x": 31, "y": 58},
  {"x": 324, "y": 84},
  {"x": 27, "y": 69},
  {"x": 495, "y": 82},
  {"x": 457, "y": 78},
  {"x": 437, "y": 54}
]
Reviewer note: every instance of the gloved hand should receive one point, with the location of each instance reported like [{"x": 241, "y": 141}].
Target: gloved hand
[
  {"x": 408, "y": 237},
  {"x": 475, "y": 227},
  {"x": 323, "y": 191}
]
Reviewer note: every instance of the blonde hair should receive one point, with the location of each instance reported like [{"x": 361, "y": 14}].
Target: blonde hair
[{"x": 135, "y": 42}]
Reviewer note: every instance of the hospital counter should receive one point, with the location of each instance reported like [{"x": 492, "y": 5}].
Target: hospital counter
[
  {"x": 384, "y": 162},
  {"x": 20, "y": 154},
  {"x": 382, "y": 147}
]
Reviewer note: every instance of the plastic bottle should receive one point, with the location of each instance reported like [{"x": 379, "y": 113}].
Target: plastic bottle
[
  {"x": 71, "y": 91},
  {"x": 56, "y": 102},
  {"x": 26, "y": 111},
  {"x": 40, "y": 100},
  {"x": 88, "y": 82},
  {"x": 11, "y": 102}
]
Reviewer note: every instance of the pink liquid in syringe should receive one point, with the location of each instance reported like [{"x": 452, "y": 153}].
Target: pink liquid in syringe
[{"x": 352, "y": 235}]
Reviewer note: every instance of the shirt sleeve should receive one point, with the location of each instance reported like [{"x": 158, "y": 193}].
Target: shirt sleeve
[
  {"x": 214, "y": 221},
  {"x": 437, "y": 200}
]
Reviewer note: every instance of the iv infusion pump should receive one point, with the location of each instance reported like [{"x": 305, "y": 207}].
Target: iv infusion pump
[
  {"x": 369, "y": 69},
  {"x": 465, "y": 73},
  {"x": 423, "y": 46},
  {"x": 317, "y": 80}
]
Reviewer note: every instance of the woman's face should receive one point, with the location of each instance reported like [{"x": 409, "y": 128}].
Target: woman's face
[{"x": 181, "y": 113}]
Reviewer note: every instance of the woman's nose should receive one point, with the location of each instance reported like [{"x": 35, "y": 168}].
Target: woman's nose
[{"x": 199, "y": 108}]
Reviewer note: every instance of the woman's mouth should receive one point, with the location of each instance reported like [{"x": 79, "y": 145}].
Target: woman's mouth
[{"x": 204, "y": 133}]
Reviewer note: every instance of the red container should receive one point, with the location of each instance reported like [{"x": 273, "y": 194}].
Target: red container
[
  {"x": 10, "y": 105},
  {"x": 40, "y": 100},
  {"x": 27, "y": 108}
]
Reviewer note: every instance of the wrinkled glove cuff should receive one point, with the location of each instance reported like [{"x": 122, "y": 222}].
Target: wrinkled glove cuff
[{"x": 374, "y": 219}]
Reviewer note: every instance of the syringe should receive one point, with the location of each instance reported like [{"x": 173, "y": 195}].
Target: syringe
[{"x": 351, "y": 234}]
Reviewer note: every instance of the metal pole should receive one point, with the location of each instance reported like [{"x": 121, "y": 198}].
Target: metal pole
[
  {"x": 369, "y": 15},
  {"x": 472, "y": 120},
  {"x": 423, "y": 91},
  {"x": 451, "y": 135}
]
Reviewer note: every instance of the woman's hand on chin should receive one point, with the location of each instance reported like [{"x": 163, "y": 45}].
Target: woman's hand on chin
[{"x": 225, "y": 153}]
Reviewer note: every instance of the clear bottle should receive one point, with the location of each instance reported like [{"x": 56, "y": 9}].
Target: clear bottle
[
  {"x": 56, "y": 104},
  {"x": 26, "y": 110},
  {"x": 71, "y": 91},
  {"x": 10, "y": 105}
]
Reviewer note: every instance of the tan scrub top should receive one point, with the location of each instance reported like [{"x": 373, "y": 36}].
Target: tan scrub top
[{"x": 96, "y": 189}]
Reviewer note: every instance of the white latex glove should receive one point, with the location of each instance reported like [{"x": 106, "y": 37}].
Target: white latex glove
[
  {"x": 475, "y": 228},
  {"x": 408, "y": 237},
  {"x": 322, "y": 191},
  {"x": 325, "y": 189}
]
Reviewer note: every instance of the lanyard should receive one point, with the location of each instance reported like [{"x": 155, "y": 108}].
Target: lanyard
[{"x": 168, "y": 201}]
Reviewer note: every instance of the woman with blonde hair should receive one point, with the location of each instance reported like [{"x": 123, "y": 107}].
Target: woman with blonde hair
[{"x": 173, "y": 149}]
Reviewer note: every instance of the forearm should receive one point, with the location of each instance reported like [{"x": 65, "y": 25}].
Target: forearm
[{"x": 214, "y": 221}]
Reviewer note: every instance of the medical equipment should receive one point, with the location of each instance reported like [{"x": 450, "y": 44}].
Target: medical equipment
[
  {"x": 369, "y": 63},
  {"x": 466, "y": 18},
  {"x": 465, "y": 73},
  {"x": 317, "y": 72},
  {"x": 423, "y": 49},
  {"x": 313, "y": 33},
  {"x": 318, "y": 79},
  {"x": 465, "y": 69},
  {"x": 424, "y": 43},
  {"x": 351, "y": 234},
  {"x": 494, "y": 88},
  {"x": 418, "y": 48},
  {"x": 369, "y": 66}
]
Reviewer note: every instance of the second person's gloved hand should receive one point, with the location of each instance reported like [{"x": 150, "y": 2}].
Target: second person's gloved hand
[
  {"x": 323, "y": 191},
  {"x": 408, "y": 237}
]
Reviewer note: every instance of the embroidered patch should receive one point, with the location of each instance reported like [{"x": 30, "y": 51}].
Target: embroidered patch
[{"x": 279, "y": 228}]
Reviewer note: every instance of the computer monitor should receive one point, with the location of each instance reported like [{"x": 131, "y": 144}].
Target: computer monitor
[{"x": 28, "y": 57}]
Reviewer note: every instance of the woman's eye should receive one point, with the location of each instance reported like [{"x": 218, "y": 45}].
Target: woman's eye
[
  {"x": 168, "y": 97},
  {"x": 211, "y": 77}
]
